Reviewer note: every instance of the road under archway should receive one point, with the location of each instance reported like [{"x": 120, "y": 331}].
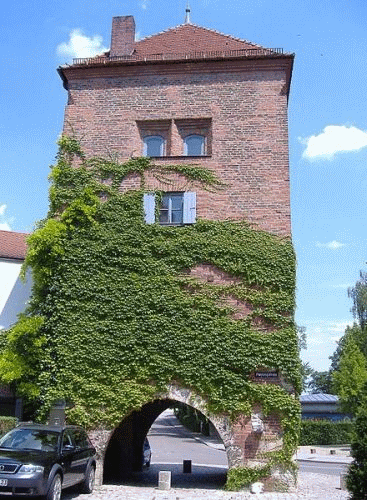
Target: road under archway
[{"x": 171, "y": 443}]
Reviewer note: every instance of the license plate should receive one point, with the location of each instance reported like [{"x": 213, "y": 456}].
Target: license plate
[{"x": 3, "y": 482}]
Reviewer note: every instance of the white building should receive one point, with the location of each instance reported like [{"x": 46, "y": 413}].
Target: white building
[{"x": 14, "y": 295}]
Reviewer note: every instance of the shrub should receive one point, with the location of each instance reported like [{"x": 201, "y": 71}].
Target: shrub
[
  {"x": 7, "y": 423},
  {"x": 325, "y": 432},
  {"x": 357, "y": 473}
]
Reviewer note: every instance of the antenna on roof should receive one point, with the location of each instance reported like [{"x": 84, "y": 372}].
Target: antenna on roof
[{"x": 188, "y": 11}]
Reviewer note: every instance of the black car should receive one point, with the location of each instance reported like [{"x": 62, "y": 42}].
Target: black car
[{"x": 42, "y": 460}]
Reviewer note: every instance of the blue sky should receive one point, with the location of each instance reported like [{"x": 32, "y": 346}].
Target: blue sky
[{"x": 327, "y": 122}]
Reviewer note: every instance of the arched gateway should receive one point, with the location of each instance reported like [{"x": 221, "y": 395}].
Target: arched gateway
[{"x": 247, "y": 439}]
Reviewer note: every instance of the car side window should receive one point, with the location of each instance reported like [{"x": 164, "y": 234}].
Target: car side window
[
  {"x": 81, "y": 439},
  {"x": 67, "y": 439}
]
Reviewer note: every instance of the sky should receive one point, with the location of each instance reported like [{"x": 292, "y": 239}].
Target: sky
[{"x": 327, "y": 123}]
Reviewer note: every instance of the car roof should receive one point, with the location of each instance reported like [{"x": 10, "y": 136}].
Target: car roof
[{"x": 46, "y": 427}]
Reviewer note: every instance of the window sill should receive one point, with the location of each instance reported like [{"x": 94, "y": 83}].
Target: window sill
[{"x": 180, "y": 157}]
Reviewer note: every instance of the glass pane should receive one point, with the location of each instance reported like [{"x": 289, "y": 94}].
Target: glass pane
[
  {"x": 165, "y": 202},
  {"x": 176, "y": 217},
  {"x": 154, "y": 146},
  {"x": 163, "y": 217},
  {"x": 176, "y": 201},
  {"x": 194, "y": 145}
]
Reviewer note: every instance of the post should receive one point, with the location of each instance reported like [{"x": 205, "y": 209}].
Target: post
[
  {"x": 164, "y": 480},
  {"x": 187, "y": 467}
]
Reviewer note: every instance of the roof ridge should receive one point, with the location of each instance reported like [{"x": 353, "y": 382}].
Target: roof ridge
[{"x": 201, "y": 27}]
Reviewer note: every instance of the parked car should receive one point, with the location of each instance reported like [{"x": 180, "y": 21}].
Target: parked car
[
  {"x": 147, "y": 453},
  {"x": 42, "y": 460}
]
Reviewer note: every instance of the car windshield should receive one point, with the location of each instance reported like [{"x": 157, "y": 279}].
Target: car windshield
[{"x": 30, "y": 439}]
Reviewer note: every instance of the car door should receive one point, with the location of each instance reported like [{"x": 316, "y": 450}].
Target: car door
[
  {"x": 68, "y": 459},
  {"x": 82, "y": 454}
]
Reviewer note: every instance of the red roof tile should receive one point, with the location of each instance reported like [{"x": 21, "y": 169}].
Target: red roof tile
[
  {"x": 13, "y": 245},
  {"x": 187, "y": 38}
]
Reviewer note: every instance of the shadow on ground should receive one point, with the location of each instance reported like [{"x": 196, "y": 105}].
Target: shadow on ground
[{"x": 202, "y": 476}]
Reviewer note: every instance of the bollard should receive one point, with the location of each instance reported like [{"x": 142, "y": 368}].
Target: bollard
[
  {"x": 164, "y": 480},
  {"x": 187, "y": 466},
  {"x": 343, "y": 484}
]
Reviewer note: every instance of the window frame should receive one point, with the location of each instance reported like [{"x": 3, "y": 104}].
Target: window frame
[
  {"x": 194, "y": 136},
  {"x": 162, "y": 147},
  {"x": 188, "y": 214}
]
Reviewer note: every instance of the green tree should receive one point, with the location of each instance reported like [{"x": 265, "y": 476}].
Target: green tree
[
  {"x": 320, "y": 382},
  {"x": 358, "y": 293},
  {"x": 357, "y": 473},
  {"x": 350, "y": 379}
]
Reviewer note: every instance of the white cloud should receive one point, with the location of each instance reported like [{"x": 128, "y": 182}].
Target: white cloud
[
  {"x": 144, "y": 4},
  {"x": 322, "y": 338},
  {"x": 331, "y": 245},
  {"x": 334, "y": 139},
  {"x": 4, "y": 221},
  {"x": 80, "y": 45}
]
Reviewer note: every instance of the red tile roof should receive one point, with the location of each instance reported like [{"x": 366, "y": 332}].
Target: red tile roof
[
  {"x": 187, "y": 38},
  {"x": 13, "y": 245},
  {"x": 185, "y": 41}
]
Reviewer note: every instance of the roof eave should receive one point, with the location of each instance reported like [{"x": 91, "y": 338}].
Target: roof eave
[{"x": 145, "y": 62}]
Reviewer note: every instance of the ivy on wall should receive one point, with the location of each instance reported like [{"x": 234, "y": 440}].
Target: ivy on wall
[{"x": 114, "y": 318}]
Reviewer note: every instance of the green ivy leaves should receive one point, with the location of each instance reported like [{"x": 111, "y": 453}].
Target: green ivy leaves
[{"x": 114, "y": 317}]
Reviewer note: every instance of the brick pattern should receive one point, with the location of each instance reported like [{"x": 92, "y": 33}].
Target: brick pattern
[
  {"x": 255, "y": 444},
  {"x": 246, "y": 104},
  {"x": 122, "y": 36}
]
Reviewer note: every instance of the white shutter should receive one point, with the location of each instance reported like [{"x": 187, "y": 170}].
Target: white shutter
[
  {"x": 189, "y": 207},
  {"x": 149, "y": 208}
]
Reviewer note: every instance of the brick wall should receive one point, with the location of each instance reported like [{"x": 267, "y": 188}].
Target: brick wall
[{"x": 242, "y": 103}]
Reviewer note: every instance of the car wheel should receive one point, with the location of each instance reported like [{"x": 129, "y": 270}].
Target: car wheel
[
  {"x": 54, "y": 491},
  {"x": 88, "y": 483}
]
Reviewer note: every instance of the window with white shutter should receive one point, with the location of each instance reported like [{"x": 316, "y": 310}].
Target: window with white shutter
[{"x": 175, "y": 209}]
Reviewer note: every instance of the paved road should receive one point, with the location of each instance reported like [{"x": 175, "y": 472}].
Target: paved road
[
  {"x": 172, "y": 443},
  {"x": 328, "y": 469}
]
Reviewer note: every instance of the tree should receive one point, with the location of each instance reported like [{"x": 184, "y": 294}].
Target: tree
[
  {"x": 358, "y": 294},
  {"x": 357, "y": 472},
  {"x": 320, "y": 382},
  {"x": 350, "y": 378}
]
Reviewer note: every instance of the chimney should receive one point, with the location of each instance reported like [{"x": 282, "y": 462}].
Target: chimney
[{"x": 122, "y": 36}]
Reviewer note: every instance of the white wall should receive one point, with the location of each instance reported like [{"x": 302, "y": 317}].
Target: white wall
[{"x": 14, "y": 294}]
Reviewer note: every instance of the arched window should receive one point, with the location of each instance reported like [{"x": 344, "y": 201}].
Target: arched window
[
  {"x": 154, "y": 145},
  {"x": 194, "y": 145}
]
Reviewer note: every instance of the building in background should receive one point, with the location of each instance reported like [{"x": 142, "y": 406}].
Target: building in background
[{"x": 14, "y": 295}]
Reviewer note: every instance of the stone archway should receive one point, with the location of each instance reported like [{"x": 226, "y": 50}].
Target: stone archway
[{"x": 119, "y": 451}]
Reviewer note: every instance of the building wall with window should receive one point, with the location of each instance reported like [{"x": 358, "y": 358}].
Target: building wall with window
[
  {"x": 192, "y": 96},
  {"x": 14, "y": 295},
  {"x": 226, "y": 110}
]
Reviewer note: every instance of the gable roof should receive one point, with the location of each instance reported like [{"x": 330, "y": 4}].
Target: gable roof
[
  {"x": 188, "y": 38},
  {"x": 13, "y": 245}
]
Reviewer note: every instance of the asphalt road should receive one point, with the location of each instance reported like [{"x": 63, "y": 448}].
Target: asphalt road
[
  {"x": 172, "y": 443},
  {"x": 328, "y": 469}
]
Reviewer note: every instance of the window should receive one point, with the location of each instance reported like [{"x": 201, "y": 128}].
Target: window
[
  {"x": 154, "y": 145},
  {"x": 194, "y": 145},
  {"x": 171, "y": 209},
  {"x": 175, "y": 209}
]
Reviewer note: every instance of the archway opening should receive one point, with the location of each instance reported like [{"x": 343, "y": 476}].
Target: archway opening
[{"x": 171, "y": 444}]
